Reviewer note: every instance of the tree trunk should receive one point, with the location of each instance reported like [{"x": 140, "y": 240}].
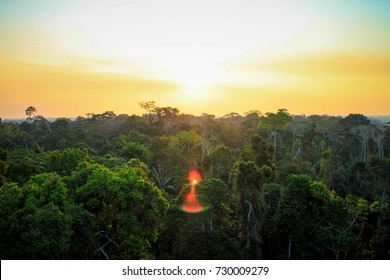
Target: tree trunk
[{"x": 289, "y": 249}]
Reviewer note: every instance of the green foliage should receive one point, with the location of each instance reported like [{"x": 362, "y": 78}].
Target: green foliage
[
  {"x": 47, "y": 233},
  {"x": 22, "y": 165},
  {"x": 260, "y": 152},
  {"x": 205, "y": 235},
  {"x": 218, "y": 163},
  {"x": 275, "y": 186},
  {"x": 64, "y": 162},
  {"x": 3, "y": 165},
  {"x": 247, "y": 184},
  {"x": 11, "y": 197},
  {"x": 45, "y": 188},
  {"x": 353, "y": 120},
  {"x": 274, "y": 121},
  {"x": 36, "y": 225},
  {"x": 128, "y": 209},
  {"x": 162, "y": 181}
]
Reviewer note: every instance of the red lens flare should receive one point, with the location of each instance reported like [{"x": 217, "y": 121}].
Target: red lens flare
[
  {"x": 194, "y": 176},
  {"x": 191, "y": 202}
]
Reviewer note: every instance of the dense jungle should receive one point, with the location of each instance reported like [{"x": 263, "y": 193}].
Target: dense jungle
[{"x": 274, "y": 186}]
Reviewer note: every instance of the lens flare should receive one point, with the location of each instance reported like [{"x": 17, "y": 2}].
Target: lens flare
[
  {"x": 191, "y": 202},
  {"x": 194, "y": 176}
]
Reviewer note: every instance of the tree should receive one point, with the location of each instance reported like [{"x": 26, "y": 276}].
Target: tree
[
  {"x": 272, "y": 193},
  {"x": 162, "y": 181},
  {"x": 130, "y": 145},
  {"x": 48, "y": 233},
  {"x": 219, "y": 162},
  {"x": 250, "y": 123},
  {"x": 292, "y": 218},
  {"x": 378, "y": 136},
  {"x": 129, "y": 210},
  {"x": 247, "y": 180},
  {"x": 65, "y": 162},
  {"x": 3, "y": 165},
  {"x": 378, "y": 169},
  {"x": 363, "y": 133},
  {"x": 37, "y": 224},
  {"x": 11, "y": 196},
  {"x": 167, "y": 117},
  {"x": 22, "y": 165},
  {"x": 306, "y": 210},
  {"x": 31, "y": 112},
  {"x": 149, "y": 106},
  {"x": 275, "y": 124},
  {"x": 298, "y": 127},
  {"x": 205, "y": 235},
  {"x": 259, "y": 151},
  {"x": 353, "y": 120},
  {"x": 61, "y": 135}
]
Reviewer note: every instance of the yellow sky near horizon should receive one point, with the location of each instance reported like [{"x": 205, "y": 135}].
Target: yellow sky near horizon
[{"x": 215, "y": 57}]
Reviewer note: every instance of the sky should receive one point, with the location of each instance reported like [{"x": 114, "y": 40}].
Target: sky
[{"x": 70, "y": 58}]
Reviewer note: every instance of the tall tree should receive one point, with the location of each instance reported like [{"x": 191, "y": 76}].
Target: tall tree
[
  {"x": 275, "y": 123},
  {"x": 149, "y": 107},
  {"x": 31, "y": 112},
  {"x": 247, "y": 180}
]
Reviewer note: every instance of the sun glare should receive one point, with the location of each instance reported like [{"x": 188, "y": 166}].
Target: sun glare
[
  {"x": 192, "y": 74},
  {"x": 198, "y": 78}
]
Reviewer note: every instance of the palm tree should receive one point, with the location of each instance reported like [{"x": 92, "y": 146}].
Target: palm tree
[{"x": 162, "y": 181}]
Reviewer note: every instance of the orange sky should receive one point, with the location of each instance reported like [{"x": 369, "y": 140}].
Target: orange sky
[{"x": 73, "y": 58}]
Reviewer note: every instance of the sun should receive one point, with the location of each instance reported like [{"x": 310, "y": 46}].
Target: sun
[
  {"x": 197, "y": 79},
  {"x": 193, "y": 73}
]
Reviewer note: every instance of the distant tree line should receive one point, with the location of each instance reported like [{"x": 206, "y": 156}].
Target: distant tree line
[{"x": 276, "y": 186}]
